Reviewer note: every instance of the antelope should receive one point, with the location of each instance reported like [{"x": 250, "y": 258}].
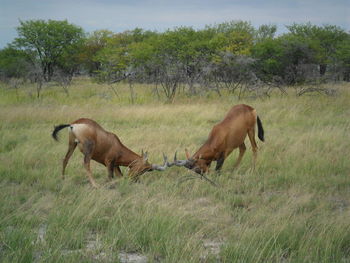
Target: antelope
[
  {"x": 226, "y": 136},
  {"x": 105, "y": 148}
]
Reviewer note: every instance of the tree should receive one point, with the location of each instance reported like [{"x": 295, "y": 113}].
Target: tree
[
  {"x": 235, "y": 37},
  {"x": 115, "y": 59},
  {"x": 50, "y": 41},
  {"x": 95, "y": 42},
  {"x": 265, "y": 32},
  {"x": 13, "y": 62},
  {"x": 324, "y": 41},
  {"x": 269, "y": 54},
  {"x": 159, "y": 59},
  {"x": 283, "y": 58},
  {"x": 173, "y": 58},
  {"x": 343, "y": 58}
]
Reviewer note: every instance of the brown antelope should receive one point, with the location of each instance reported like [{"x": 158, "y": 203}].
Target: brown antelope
[
  {"x": 103, "y": 147},
  {"x": 226, "y": 136}
]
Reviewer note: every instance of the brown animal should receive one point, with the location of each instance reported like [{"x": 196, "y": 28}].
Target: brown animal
[
  {"x": 103, "y": 147},
  {"x": 226, "y": 136}
]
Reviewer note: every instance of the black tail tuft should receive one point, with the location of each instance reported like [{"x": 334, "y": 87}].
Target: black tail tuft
[
  {"x": 57, "y": 129},
  {"x": 260, "y": 129}
]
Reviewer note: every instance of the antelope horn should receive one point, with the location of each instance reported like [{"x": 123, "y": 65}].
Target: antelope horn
[
  {"x": 178, "y": 162},
  {"x": 144, "y": 156},
  {"x": 188, "y": 156},
  {"x": 161, "y": 167}
]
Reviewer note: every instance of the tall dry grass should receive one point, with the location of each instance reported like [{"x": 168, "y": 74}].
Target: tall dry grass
[{"x": 293, "y": 208}]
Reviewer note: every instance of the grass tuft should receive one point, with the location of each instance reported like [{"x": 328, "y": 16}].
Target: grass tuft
[{"x": 294, "y": 208}]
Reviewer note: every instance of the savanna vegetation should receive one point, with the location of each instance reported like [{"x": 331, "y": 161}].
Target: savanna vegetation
[
  {"x": 293, "y": 208},
  {"x": 163, "y": 92},
  {"x": 232, "y": 56}
]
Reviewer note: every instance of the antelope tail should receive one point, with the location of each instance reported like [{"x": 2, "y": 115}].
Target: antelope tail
[
  {"x": 57, "y": 129},
  {"x": 260, "y": 129}
]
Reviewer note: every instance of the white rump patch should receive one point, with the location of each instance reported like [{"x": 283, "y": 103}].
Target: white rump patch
[{"x": 78, "y": 128}]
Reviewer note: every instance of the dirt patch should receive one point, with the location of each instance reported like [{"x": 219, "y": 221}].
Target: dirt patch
[
  {"x": 211, "y": 247},
  {"x": 132, "y": 258}
]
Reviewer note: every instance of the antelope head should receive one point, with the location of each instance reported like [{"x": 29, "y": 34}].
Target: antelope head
[{"x": 141, "y": 165}]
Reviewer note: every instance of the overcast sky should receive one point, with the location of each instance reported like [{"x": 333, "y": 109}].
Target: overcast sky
[{"x": 120, "y": 15}]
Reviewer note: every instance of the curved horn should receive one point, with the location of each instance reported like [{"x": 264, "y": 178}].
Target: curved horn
[
  {"x": 188, "y": 156},
  {"x": 144, "y": 156},
  {"x": 179, "y": 162},
  {"x": 161, "y": 167}
]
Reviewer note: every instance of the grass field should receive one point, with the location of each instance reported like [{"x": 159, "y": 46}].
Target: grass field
[{"x": 294, "y": 208}]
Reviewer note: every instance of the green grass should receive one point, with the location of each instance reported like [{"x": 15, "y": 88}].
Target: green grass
[{"x": 293, "y": 208}]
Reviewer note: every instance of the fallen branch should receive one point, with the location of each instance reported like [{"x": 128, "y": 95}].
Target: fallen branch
[
  {"x": 329, "y": 92},
  {"x": 120, "y": 79},
  {"x": 197, "y": 176}
]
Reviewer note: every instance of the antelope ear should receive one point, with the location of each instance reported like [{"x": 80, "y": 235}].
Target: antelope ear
[{"x": 188, "y": 156}]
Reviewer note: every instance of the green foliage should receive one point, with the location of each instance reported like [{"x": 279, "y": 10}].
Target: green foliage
[
  {"x": 116, "y": 57},
  {"x": 183, "y": 45},
  {"x": 343, "y": 56},
  {"x": 281, "y": 57},
  {"x": 323, "y": 41},
  {"x": 235, "y": 37},
  {"x": 265, "y": 32},
  {"x": 54, "y": 43},
  {"x": 94, "y": 42},
  {"x": 183, "y": 55},
  {"x": 269, "y": 53},
  {"x": 13, "y": 62}
]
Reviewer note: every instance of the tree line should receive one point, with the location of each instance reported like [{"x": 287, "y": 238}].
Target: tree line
[{"x": 232, "y": 55}]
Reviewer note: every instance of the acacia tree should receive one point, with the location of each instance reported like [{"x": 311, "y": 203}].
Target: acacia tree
[
  {"x": 115, "y": 59},
  {"x": 50, "y": 41},
  {"x": 287, "y": 59},
  {"x": 187, "y": 51},
  {"x": 343, "y": 58},
  {"x": 95, "y": 42},
  {"x": 265, "y": 32},
  {"x": 13, "y": 63},
  {"x": 172, "y": 59},
  {"x": 235, "y": 37},
  {"x": 158, "y": 58},
  {"x": 323, "y": 40}
]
